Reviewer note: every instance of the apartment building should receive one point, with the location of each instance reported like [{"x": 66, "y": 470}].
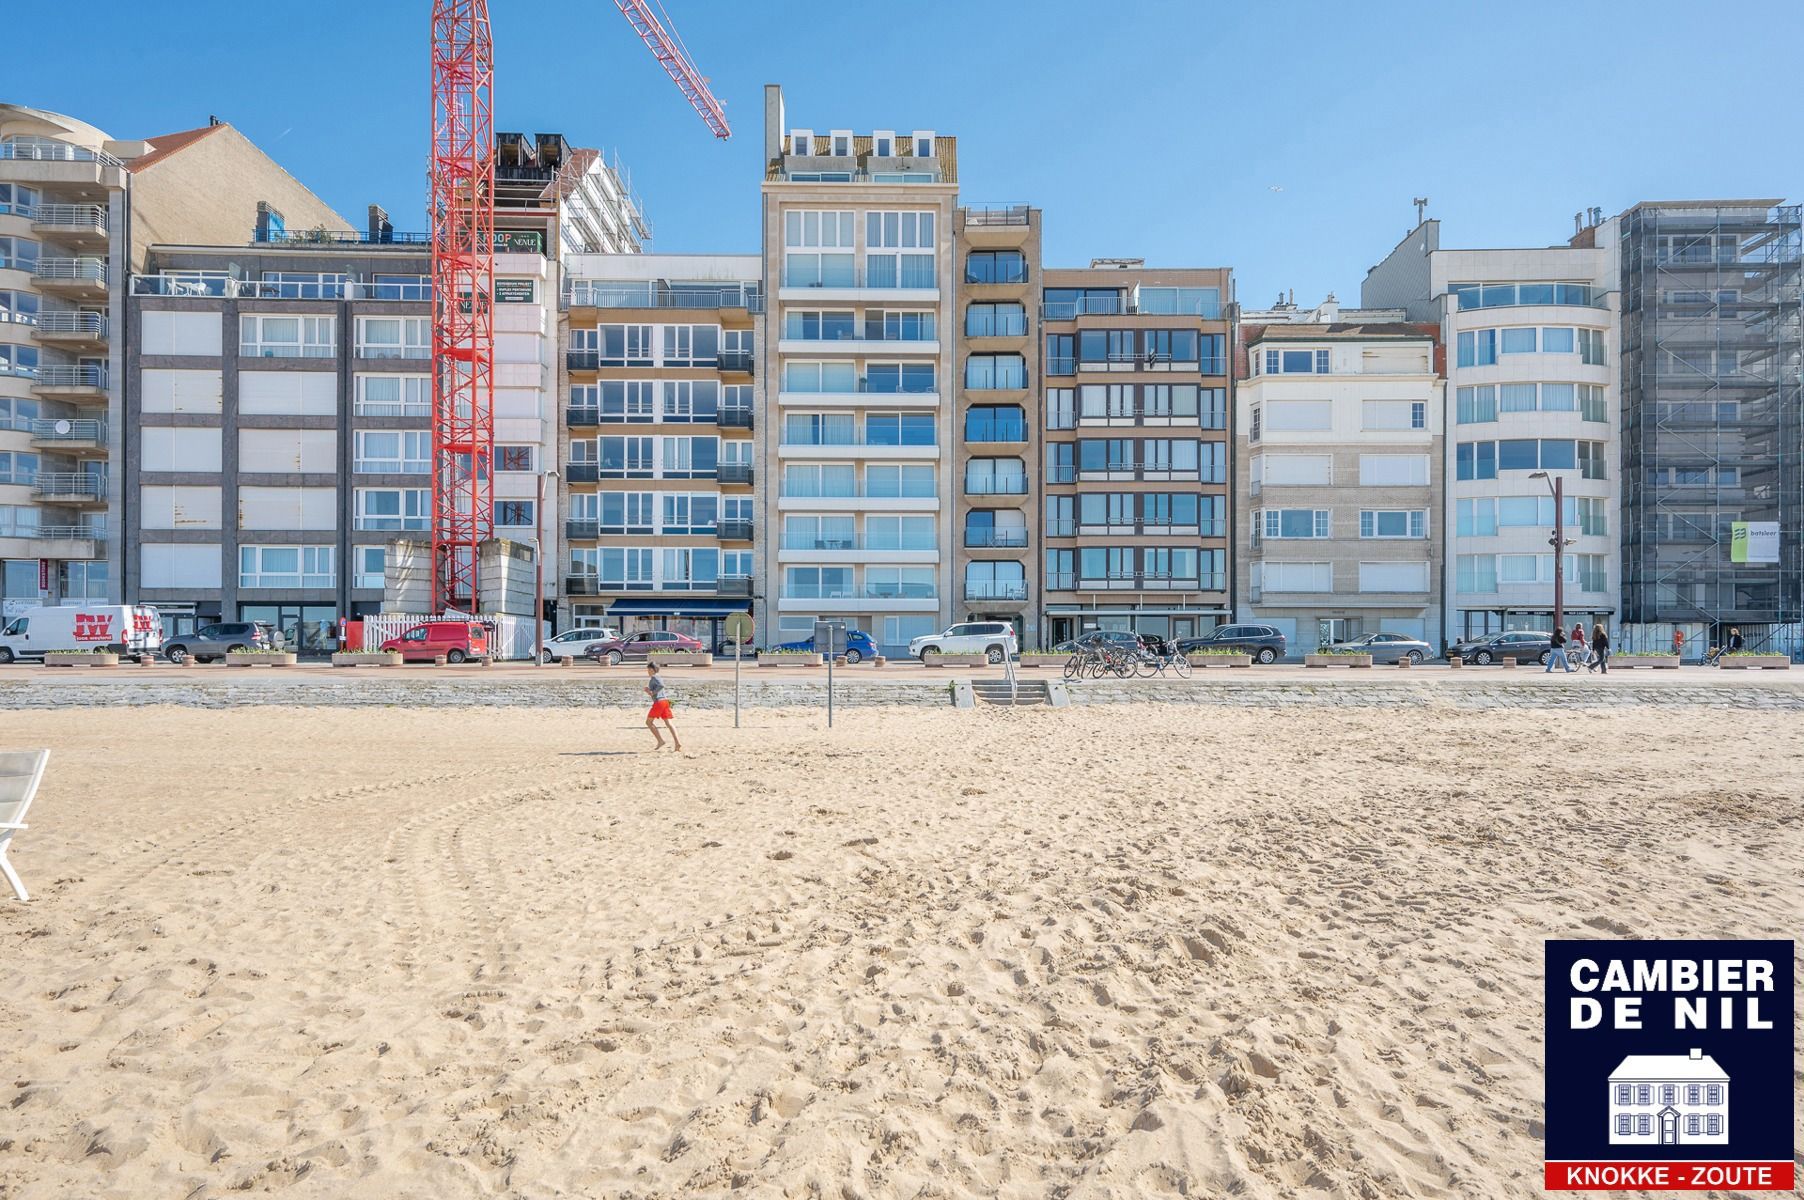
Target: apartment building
[
  {"x": 1339, "y": 427},
  {"x": 1712, "y": 421},
  {"x": 859, "y": 259},
  {"x": 77, "y": 207},
  {"x": 278, "y": 416},
  {"x": 1135, "y": 396},
  {"x": 1532, "y": 397},
  {"x": 657, "y": 476},
  {"x": 997, "y": 374}
]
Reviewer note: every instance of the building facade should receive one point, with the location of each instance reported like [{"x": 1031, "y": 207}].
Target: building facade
[
  {"x": 1339, "y": 501},
  {"x": 1532, "y": 395},
  {"x": 1135, "y": 403},
  {"x": 856, "y": 458},
  {"x": 1713, "y": 420},
  {"x": 659, "y": 420}
]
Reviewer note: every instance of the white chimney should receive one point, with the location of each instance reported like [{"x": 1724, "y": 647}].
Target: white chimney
[{"x": 1696, "y": 1054}]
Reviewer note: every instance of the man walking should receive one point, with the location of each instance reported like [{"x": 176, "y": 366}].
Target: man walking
[{"x": 1558, "y": 653}]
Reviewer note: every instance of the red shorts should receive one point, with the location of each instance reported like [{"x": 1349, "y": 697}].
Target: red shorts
[{"x": 659, "y": 709}]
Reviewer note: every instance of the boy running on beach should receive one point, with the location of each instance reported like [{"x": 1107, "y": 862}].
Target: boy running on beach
[{"x": 660, "y": 707}]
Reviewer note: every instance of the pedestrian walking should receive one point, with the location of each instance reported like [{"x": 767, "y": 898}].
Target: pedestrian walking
[
  {"x": 1578, "y": 645},
  {"x": 1600, "y": 649},
  {"x": 1678, "y": 640},
  {"x": 1558, "y": 653},
  {"x": 660, "y": 707}
]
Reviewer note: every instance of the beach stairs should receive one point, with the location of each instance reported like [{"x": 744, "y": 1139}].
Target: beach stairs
[{"x": 1034, "y": 693}]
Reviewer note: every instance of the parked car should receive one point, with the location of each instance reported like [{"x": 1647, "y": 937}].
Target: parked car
[
  {"x": 1517, "y": 644},
  {"x": 617, "y": 650},
  {"x": 130, "y": 628},
  {"x": 858, "y": 645},
  {"x": 210, "y": 642},
  {"x": 1120, "y": 638},
  {"x": 574, "y": 642},
  {"x": 723, "y": 647},
  {"x": 1264, "y": 643},
  {"x": 1386, "y": 647},
  {"x": 993, "y": 639},
  {"x": 456, "y": 640}
]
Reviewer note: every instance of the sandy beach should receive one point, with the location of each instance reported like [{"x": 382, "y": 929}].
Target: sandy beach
[{"x": 1131, "y": 951}]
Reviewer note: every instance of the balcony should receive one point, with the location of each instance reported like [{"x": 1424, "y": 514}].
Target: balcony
[
  {"x": 590, "y": 293},
  {"x": 71, "y": 383},
  {"x": 918, "y": 285},
  {"x": 77, "y": 278},
  {"x": 732, "y": 530},
  {"x": 995, "y": 431},
  {"x": 43, "y": 162},
  {"x": 581, "y": 531},
  {"x": 582, "y": 418},
  {"x": 582, "y": 585},
  {"x": 735, "y": 473},
  {"x": 856, "y": 445},
  {"x": 71, "y": 330},
  {"x": 70, "y": 487},
  {"x": 996, "y": 589},
  {"x": 582, "y": 472},
  {"x": 82, "y": 225},
  {"x": 341, "y": 237},
  {"x": 995, "y": 214},
  {"x": 734, "y": 585},
  {"x": 996, "y": 485},
  {"x": 738, "y": 416},
  {"x": 69, "y": 437},
  {"x": 739, "y": 361},
  {"x": 987, "y": 537},
  {"x": 582, "y": 360}
]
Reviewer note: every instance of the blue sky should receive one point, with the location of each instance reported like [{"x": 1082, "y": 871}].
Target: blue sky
[{"x": 1155, "y": 128}]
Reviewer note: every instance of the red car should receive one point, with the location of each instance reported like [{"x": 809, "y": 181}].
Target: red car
[
  {"x": 637, "y": 645},
  {"x": 456, "y": 640}
]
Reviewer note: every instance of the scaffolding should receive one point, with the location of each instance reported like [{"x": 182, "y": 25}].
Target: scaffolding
[{"x": 1712, "y": 417}]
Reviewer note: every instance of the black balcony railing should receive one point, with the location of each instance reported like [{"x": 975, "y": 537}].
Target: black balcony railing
[
  {"x": 734, "y": 585},
  {"x": 582, "y": 360},
  {"x": 736, "y": 360},
  {"x": 737, "y": 416},
  {"x": 988, "y": 536},
  {"x": 582, "y": 585},
  {"x": 583, "y": 472},
  {"x": 582, "y": 531},
  {"x": 580, "y": 418},
  {"x": 734, "y": 531},
  {"x": 732, "y": 472}
]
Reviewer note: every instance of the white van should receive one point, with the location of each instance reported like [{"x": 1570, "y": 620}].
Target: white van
[{"x": 128, "y": 628}]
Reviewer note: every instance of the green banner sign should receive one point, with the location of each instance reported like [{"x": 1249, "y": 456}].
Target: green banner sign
[
  {"x": 519, "y": 241},
  {"x": 514, "y": 291}
]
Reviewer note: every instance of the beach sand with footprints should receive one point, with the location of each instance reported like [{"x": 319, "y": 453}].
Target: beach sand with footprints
[{"x": 1127, "y": 951}]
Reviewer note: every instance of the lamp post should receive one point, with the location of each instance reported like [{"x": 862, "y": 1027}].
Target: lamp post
[
  {"x": 1557, "y": 486},
  {"x": 538, "y": 567}
]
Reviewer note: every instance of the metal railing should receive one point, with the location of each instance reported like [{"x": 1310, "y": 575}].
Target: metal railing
[
  {"x": 183, "y": 283},
  {"x": 71, "y": 270},
  {"x": 914, "y": 280},
  {"x": 996, "y": 431},
  {"x": 336, "y": 237},
  {"x": 1008, "y": 326},
  {"x": 70, "y": 216},
  {"x": 589, "y": 293},
  {"x": 870, "y": 332},
  {"x": 988, "y": 537},
  {"x": 73, "y": 485},
  {"x": 798, "y": 542},
  {"x": 904, "y": 387},
  {"x": 853, "y": 439},
  {"x": 197, "y": 283},
  {"x": 71, "y": 377},
  {"x": 93, "y": 324},
  {"x": 66, "y": 533},
  {"x": 988, "y": 381},
  {"x": 996, "y": 485},
  {"x": 55, "y": 152},
  {"x": 85, "y": 430},
  {"x": 870, "y": 591},
  {"x": 856, "y": 493},
  {"x": 995, "y": 590}
]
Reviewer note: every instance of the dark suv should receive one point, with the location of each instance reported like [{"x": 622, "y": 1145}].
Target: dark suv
[
  {"x": 1519, "y": 644},
  {"x": 1264, "y": 643},
  {"x": 215, "y": 641}
]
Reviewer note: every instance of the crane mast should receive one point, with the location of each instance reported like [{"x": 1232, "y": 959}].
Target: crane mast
[{"x": 463, "y": 285}]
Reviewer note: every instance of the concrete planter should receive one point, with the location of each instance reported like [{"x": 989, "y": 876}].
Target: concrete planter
[
  {"x": 790, "y": 660},
  {"x": 1198, "y": 661},
  {"x": 681, "y": 658},
  {"x": 366, "y": 658},
  {"x": 958, "y": 660},
  {"x": 1337, "y": 660},
  {"x": 1660, "y": 662},
  {"x": 1754, "y": 662},
  {"x": 262, "y": 660},
  {"x": 1045, "y": 660},
  {"x": 105, "y": 658}
]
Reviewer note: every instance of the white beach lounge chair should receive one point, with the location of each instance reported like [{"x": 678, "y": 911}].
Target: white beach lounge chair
[{"x": 20, "y": 773}]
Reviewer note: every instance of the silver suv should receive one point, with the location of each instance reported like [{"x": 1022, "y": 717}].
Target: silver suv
[
  {"x": 993, "y": 639},
  {"x": 215, "y": 641}
]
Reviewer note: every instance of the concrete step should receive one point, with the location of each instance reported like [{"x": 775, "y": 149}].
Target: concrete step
[{"x": 1026, "y": 694}]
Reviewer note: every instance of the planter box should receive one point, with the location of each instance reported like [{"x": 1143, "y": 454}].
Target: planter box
[
  {"x": 1044, "y": 660},
  {"x": 1660, "y": 662},
  {"x": 1220, "y": 660},
  {"x": 1337, "y": 660},
  {"x": 104, "y": 659},
  {"x": 790, "y": 660},
  {"x": 371, "y": 658},
  {"x": 681, "y": 658},
  {"x": 1754, "y": 662},
  {"x": 959, "y": 660},
  {"x": 261, "y": 660}
]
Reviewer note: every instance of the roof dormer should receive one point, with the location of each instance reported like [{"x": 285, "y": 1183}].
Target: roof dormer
[
  {"x": 922, "y": 146},
  {"x": 839, "y": 143},
  {"x": 801, "y": 142}
]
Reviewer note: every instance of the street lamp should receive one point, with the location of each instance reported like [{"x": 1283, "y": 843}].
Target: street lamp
[
  {"x": 538, "y": 567},
  {"x": 1559, "y": 542}
]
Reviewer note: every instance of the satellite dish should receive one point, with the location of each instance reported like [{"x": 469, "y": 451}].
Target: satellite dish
[{"x": 63, "y": 427}]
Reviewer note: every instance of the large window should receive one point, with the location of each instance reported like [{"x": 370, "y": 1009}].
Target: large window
[
  {"x": 1476, "y": 573},
  {"x": 286, "y": 567},
  {"x": 996, "y": 266},
  {"x": 394, "y": 395},
  {"x": 837, "y": 480},
  {"x": 1195, "y": 302},
  {"x": 1298, "y": 576},
  {"x": 995, "y": 371},
  {"x": 886, "y": 532},
  {"x": 393, "y": 452},
  {"x": 1061, "y": 353},
  {"x": 886, "y": 481},
  {"x": 385, "y": 509},
  {"x": 264, "y": 336},
  {"x": 911, "y": 378},
  {"x": 1475, "y": 405},
  {"x": 19, "y": 254},
  {"x": 18, "y": 360},
  {"x": 1477, "y": 348},
  {"x": 394, "y": 337},
  {"x": 1394, "y": 414},
  {"x": 21, "y": 308},
  {"x": 1296, "y": 362},
  {"x": 1393, "y": 470},
  {"x": 818, "y": 249},
  {"x": 1295, "y": 523},
  {"x": 899, "y": 249},
  {"x": 1505, "y": 295},
  {"x": 811, "y": 377},
  {"x": 996, "y": 320},
  {"x": 1482, "y": 460},
  {"x": 1393, "y": 523},
  {"x": 898, "y": 429},
  {"x": 995, "y": 423}
]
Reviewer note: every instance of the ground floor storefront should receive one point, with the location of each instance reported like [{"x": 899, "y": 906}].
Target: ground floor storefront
[
  {"x": 1470, "y": 623},
  {"x": 1306, "y": 627},
  {"x": 1064, "y": 622},
  {"x": 700, "y": 617}
]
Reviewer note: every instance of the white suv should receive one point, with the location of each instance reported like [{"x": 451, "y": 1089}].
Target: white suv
[
  {"x": 990, "y": 638},
  {"x": 572, "y": 642}
]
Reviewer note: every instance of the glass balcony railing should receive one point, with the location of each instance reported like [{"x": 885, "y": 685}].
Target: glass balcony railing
[
  {"x": 793, "y": 541},
  {"x": 592, "y": 293},
  {"x": 985, "y": 537},
  {"x": 869, "y": 331},
  {"x": 996, "y": 485},
  {"x": 996, "y": 431},
  {"x": 854, "y": 591},
  {"x": 995, "y": 589},
  {"x": 1509, "y": 295}
]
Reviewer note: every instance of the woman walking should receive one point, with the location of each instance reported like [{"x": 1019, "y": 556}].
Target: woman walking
[
  {"x": 1600, "y": 648},
  {"x": 1579, "y": 654},
  {"x": 660, "y": 707}
]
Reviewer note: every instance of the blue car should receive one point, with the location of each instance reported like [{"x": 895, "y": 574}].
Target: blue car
[{"x": 858, "y": 645}]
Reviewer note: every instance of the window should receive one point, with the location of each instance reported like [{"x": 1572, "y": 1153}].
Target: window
[
  {"x": 996, "y": 266},
  {"x": 1559, "y": 397},
  {"x": 1669, "y": 1093},
  {"x": 1061, "y": 462},
  {"x": 883, "y": 143},
  {"x": 1624, "y": 1122},
  {"x": 995, "y": 371},
  {"x": 690, "y": 400},
  {"x": 898, "y": 429},
  {"x": 1516, "y": 397},
  {"x": 393, "y": 452},
  {"x": 1476, "y": 404},
  {"x": 1061, "y": 353},
  {"x": 1393, "y": 522},
  {"x": 1393, "y": 470},
  {"x": 1198, "y": 302},
  {"x": 1212, "y": 462},
  {"x": 818, "y": 249},
  {"x": 1518, "y": 454},
  {"x": 1299, "y": 415},
  {"x": 286, "y": 567},
  {"x": 897, "y": 378},
  {"x": 995, "y": 320},
  {"x": 829, "y": 326},
  {"x": 22, "y": 307},
  {"x": 1518, "y": 341},
  {"x": 372, "y": 566},
  {"x": 1557, "y": 341},
  {"x": 895, "y": 481},
  {"x": 262, "y": 336},
  {"x": 1592, "y": 405},
  {"x": 17, "y": 198},
  {"x": 1476, "y": 518},
  {"x": 1622, "y": 1095},
  {"x": 905, "y": 533},
  {"x": 1592, "y": 464},
  {"x": 394, "y": 337},
  {"x": 1393, "y": 577},
  {"x": 1644, "y": 1124},
  {"x": 1476, "y": 573},
  {"x": 18, "y": 360},
  {"x": 1061, "y": 408},
  {"x": 1294, "y": 362},
  {"x": 1713, "y": 1124},
  {"x": 1476, "y": 460},
  {"x": 996, "y": 477},
  {"x": 20, "y": 254},
  {"x": 617, "y": 345},
  {"x": 898, "y": 326},
  {"x": 1296, "y": 470},
  {"x": 899, "y": 249},
  {"x": 1477, "y": 348},
  {"x": 1298, "y": 577},
  {"x": 390, "y": 509},
  {"x": 923, "y": 143},
  {"x": 691, "y": 345},
  {"x": 1296, "y": 523},
  {"x": 1591, "y": 347},
  {"x": 801, "y": 142},
  {"x": 818, "y": 583},
  {"x": 515, "y": 458},
  {"x": 1394, "y": 414},
  {"x": 811, "y": 377},
  {"x": 842, "y": 143},
  {"x": 515, "y": 514},
  {"x": 1254, "y": 424},
  {"x": 394, "y": 396},
  {"x": 995, "y": 423}
]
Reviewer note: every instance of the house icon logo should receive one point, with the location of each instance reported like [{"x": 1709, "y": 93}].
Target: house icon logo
[{"x": 1669, "y": 1100}]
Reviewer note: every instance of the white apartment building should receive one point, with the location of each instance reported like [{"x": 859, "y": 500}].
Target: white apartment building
[
  {"x": 855, "y": 467},
  {"x": 1532, "y": 396},
  {"x": 1339, "y": 416}
]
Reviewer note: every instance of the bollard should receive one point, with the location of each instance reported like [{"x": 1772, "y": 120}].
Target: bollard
[
  {"x": 438, "y": 660},
  {"x": 566, "y": 661},
  {"x": 878, "y": 660},
  {"x": 1404, "y": 661},
  {"x": 1456, "y": 661}
]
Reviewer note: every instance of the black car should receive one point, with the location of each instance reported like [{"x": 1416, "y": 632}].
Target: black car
[
  {"x": 1519, "y": 644},
  {"x": 1264, "y": 643},
  {"x": 1121, "y": 639}
]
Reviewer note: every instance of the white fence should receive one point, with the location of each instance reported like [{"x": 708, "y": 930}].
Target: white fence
[{"x": 509, "y": 637}]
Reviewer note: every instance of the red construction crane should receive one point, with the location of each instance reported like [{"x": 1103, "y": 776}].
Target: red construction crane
[{"x": 462, "y": 208}]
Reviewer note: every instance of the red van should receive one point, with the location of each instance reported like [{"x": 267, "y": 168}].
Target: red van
[{"x": 456, "y": 640}]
